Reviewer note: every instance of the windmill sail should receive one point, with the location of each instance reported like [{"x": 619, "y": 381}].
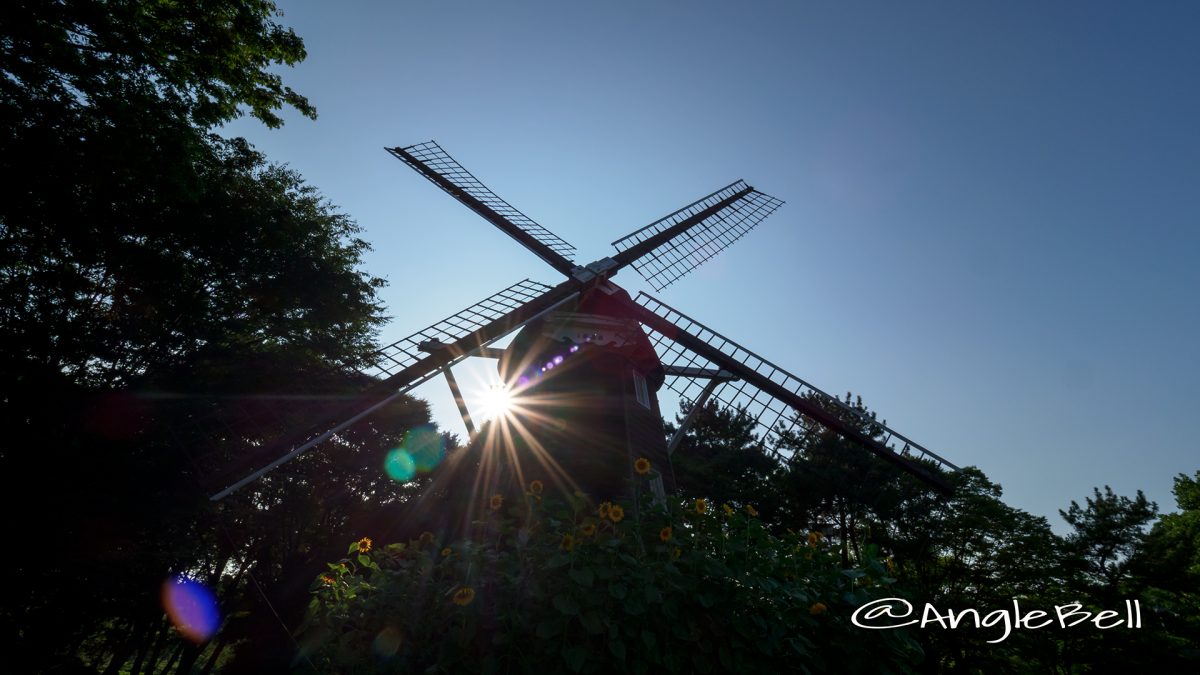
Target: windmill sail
[
  {"x": 431, "y": 161},
  {"x": 670, "y": 247},
  {"x": 769, "y": 393},
  {"x": 408, "y": 362}
]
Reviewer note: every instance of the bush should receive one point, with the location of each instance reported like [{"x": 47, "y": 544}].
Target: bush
[{"x": 553, "y": 586}]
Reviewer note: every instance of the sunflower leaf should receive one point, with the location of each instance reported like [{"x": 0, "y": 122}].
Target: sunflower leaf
[
  {"x": 583, "y": 576},
  {"x": 575, "y": 656}
]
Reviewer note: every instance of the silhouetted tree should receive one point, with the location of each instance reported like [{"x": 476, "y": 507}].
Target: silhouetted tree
[
  {"x": 720, "y": 458},
  {"x": 156, "y": 283},
  {"x": 1167, "y": 570},
  {"x": 1106, "y": 533},
  {"x": 833, "y": 484}
]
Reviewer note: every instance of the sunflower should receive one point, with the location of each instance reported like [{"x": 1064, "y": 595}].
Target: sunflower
[
  {"x": 496, "y": 502},
  {"x": 536, "y": 487},
  {"x": 665, "y": 534},
  {"x": 326, "y": 579},
  {"x": 676, "y": 553},
  {"x": 364, "y": 544},
  {"x": 752, "y": 511},
  {"x": 728, "y": 509},
  {"x": 568, "y": 542},
  {"x": 426, "y": 538},
  {"x": 446, "y": 552},
  {"x": 604, "y": 509},
  {"x": 464, "y": 596},
  {"x": 814, "y": 537},
  {"x": 588, "y": 529},
  {"x": 616, "y": 513},
  {"x": 701, "y": 506},
  {"x": 817, "y": 608},
  {"x": 642, "y": 466}
]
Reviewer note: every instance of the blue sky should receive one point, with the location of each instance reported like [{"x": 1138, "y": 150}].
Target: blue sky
[{"x": 991, "y": 220}]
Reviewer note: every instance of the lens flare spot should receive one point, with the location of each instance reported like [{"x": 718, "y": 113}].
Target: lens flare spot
[
  {"x": 421, "y": 451},
  {"x": 558, "y": 360},
  {"x": 425, "y": 446},
  {"x": 192, "y": 608},
  {"x": 387, "y": 643},
  {"x": 399, "y": 465}
]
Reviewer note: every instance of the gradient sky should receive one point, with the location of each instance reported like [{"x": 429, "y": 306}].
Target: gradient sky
[{"x": 991, "y": 220}]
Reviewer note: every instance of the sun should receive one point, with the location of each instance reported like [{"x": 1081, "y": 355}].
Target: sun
[{"x": 496, "y": 402}]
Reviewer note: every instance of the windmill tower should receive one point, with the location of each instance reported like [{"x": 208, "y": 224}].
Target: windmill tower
[{"x": 588, "y": 360}]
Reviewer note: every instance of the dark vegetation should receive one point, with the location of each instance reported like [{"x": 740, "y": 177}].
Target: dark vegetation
[
  {"x": 974, "y": 551},
  {"x": 156, "y": 281},
  {"x": 162, "y": 285}
]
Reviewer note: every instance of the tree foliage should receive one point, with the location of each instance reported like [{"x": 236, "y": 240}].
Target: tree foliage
[
  {"x": 159, "y": 286},
  {"x": 720, "y": 458},
  {"x": 972, "y": 550},
  {"x": 1106, "y": 533},
  {"x": 204, "y": 62}
]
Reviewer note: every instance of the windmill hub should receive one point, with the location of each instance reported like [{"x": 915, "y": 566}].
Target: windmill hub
[{"x": 599, "y": 270}]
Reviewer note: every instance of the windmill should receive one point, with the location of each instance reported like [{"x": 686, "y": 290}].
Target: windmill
[{"x": 589, "y": 359}]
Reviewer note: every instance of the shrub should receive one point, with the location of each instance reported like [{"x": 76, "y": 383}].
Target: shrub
[{"x": 557, "y": 586}]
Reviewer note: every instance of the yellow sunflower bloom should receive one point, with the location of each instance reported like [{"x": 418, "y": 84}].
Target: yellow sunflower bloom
[
  {"x": 616, "y": 513},
  {"x": 814, "y": 537},
  {"x": 701, "y": 506},
  {"x": 604, "y": 509},
  {"x": 568, "y": 542},
  {"x": 426, "y": 538},
  {"x": 326, "y": 579},
  {"x": 536, "y": 487},
  {"x": 642, "y": 466},
  {"x": 588, "y": 529},
  {"x": 496, "y": 502},
  {"x": 665, "y": 534},
  {"x": 676, "y": 553},
  {"x": 728, "y": 509},
  {"x": 752, "y": 511},
  {"x": 817, "y": 609},
  {"x": 464, "y": 596},
  {"x": 446, "y": 552},
  {"x": 364, "y": 544}
]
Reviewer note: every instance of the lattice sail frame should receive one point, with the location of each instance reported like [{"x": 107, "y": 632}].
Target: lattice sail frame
[
  {"x": 259, "y": 421},
  {"x": 771, "y": 415},
  {"x": 405, "y": 352},
  {"x": 687, "y": 251},
  {"x": 434, "y": 157}
]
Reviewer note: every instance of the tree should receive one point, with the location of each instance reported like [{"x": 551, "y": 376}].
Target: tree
[
  {"x": 972, "y": 550},
  {"x": 1171, "y": 555},
  {"x": 721, "y": 459},
  {"x": 1167, "y": 570},
  {"x": 153, "y": 275},
  {"x": 1107, "y": 532},
  {"x": 204, "y": 62},
  {"x": 832, "y": 483},
  {"x": 129, "y": 243}
]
